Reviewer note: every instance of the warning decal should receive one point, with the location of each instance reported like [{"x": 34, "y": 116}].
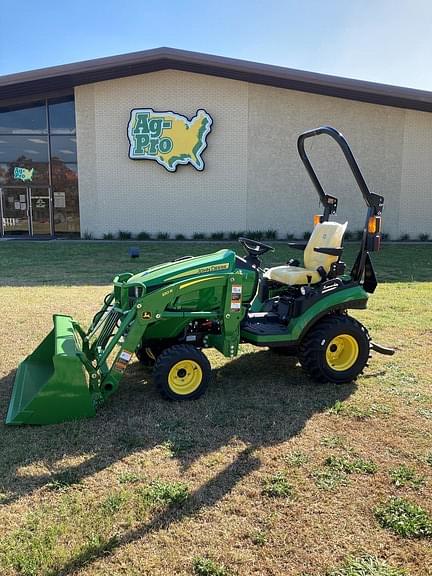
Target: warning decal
[
  {"x": 122, "y": 360},
  {"x": 236, "y": 297}
]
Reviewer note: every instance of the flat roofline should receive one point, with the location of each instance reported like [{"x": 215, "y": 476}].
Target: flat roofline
[{"x": 66, "y": 77}]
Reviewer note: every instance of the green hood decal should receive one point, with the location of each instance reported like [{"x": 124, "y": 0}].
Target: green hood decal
[{"x": 221, "y": 261}]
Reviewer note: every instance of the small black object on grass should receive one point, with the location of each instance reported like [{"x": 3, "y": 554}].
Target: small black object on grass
[{"x": 133, "y": 252}]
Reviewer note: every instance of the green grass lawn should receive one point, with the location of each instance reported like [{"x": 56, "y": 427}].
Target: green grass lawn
[
  {"x": 267, "y": 474},
  {"x": 96, "y": 263}
]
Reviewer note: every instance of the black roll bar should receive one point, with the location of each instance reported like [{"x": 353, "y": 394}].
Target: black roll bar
[{"x": 373, "y": 201}]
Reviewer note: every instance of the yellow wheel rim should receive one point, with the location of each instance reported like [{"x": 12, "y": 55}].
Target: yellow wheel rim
[
  {"x": 185, "y": 377},
  {"x": 342, "y": 352}
]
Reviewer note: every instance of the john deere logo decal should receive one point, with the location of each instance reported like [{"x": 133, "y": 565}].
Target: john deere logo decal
[{"x": 168, "y": 138}]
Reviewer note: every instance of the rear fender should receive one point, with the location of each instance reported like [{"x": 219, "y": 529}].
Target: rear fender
[{"x": 355, "y": 297}]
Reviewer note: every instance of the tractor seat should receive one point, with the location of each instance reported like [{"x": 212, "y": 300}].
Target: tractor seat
[{"x": 324, "y": 235}]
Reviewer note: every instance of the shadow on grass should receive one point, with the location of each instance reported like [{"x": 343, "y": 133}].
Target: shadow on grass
[
  {"x": 260, "y": 399},
  {"x": 86, "y": 263},
  {"x": 207, "y": 495}
]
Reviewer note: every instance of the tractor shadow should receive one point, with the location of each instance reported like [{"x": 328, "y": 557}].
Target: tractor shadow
[{"x": 259, "y": 399}]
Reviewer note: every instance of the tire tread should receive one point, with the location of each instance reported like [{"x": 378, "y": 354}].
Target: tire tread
[
  {"x": 165, "y": 360},
  {"x": 311, "y": 346}
]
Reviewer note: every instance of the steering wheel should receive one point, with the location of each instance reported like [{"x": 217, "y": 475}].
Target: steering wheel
[{"x": 255, "y": 248}]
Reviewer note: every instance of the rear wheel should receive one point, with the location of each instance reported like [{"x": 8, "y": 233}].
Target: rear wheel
[
  {"x": 182, "y": 372},
  {"x": 335, "y": 350}
]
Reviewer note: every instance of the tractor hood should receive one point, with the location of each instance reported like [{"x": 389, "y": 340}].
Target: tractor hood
[{"x": 170, "y": 272}]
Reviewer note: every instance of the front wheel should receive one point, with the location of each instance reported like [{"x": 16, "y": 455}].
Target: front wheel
[
  {"x": 335, "y": 350},
  {"x": 182, "y": 372}
]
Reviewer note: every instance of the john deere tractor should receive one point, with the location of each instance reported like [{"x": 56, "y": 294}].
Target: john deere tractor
[{"x": 168, "y": 314}]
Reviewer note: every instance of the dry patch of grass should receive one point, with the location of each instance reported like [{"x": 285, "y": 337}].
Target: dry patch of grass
[{"x": 156, "y": 488}]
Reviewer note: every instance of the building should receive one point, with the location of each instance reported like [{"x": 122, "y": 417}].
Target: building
[{"x": 66, "y": 150}]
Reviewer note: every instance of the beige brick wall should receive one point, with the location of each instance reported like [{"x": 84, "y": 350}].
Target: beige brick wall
[
  {"x": 87, "y": 156},
  {"x": 416, "y": 197},
  {"x": 253, "y": 178},
  {"x": 280, "y": 193},
  {"x": 142, "y": 195}
]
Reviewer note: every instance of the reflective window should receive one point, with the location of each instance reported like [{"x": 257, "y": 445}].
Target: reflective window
[
  {"x": 31, "y": 148},
  {"x": 22, "y": 172},
  {"x": 62, "y": 117},
  {"x": 23, "y": 159},
  {"x": 30, "y": 151},
  {"x": 65, "y": 197},
  {"x": 15, "y": 208},
  {"x": 63, "y": 148},
  {"x": 63, "y": 174},
  {"x": 30, "y": 119}
]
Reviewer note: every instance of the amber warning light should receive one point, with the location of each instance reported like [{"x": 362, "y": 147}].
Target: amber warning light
[{"x": 374, "y": 225}]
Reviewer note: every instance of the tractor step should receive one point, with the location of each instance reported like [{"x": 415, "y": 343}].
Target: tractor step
[{"x": 264, "y": 324}]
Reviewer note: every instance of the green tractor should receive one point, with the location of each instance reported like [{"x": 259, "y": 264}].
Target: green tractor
[{"x": 168, "y": 314}]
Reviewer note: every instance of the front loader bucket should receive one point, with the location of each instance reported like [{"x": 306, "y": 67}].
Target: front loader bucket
[{"x": 51, "y": 384}]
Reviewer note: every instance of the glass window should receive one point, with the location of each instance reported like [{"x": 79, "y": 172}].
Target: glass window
[
  {"x": 30, "y": 119},
  {"x": 63, "y": 148},
  {"x": 24, "y": 173},
  {"x": 32, "y": 148},
  {"x": 15, "y": 216},
  {"x": 23, "y": 159},
  {"x": 62, "y": 117},
  {"x": 26, "y": 142},
  {"x": 65, "y": 197},
  {"x": 63, "y": 173}
]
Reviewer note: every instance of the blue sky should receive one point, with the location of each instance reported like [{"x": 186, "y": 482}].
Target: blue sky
[{"x": 379, "y": 40}]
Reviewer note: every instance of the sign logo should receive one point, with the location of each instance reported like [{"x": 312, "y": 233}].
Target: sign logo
[
  {"x": 40, "y": 203},
  {"x": 23, "y": 174},
  {"x": 167, "y": 137}
]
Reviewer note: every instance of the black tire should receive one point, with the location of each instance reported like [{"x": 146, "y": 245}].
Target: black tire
[
  {"x": 147, "y": 356},
  {"x": 336, "y": 349},
  {"x": 182, "y": 373}
]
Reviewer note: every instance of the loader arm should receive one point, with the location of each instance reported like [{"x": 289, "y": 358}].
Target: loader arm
[
  {"x": 151, "y": 311},
  {"x": 73, "y": 370}
]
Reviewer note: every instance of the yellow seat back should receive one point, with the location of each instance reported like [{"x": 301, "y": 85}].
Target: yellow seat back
[{"x": 324, "y": 235}]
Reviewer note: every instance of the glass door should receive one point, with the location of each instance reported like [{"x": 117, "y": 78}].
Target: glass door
[
  {"x": 40, "y": 213},
  {"x": 14, "y": 211}
]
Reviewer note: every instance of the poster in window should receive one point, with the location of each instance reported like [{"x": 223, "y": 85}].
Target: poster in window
[{"x": 59, "y": 200}]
